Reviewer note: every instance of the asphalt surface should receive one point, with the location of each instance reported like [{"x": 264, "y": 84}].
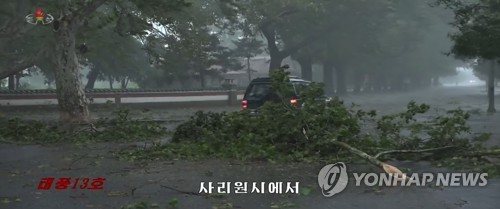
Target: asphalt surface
[{"x": 22, "y": 168}]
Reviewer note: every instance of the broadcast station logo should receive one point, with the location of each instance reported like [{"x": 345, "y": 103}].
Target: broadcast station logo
[
  {"x": 39, "y": 17},
  {"x": 333, "y": 179}
]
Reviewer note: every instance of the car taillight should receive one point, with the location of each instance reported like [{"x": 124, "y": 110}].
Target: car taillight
[
  {"x": 244, "y": 104},
  {"x": 294, "y": 101}
]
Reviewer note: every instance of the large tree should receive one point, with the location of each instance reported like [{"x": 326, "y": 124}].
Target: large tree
[
  {"x": 114, "y": 57},
  {"x": 477, "y": 35},
  {"x": 191, "y": 45},
  {"x": 396, "y": 33},
  {"x": 248, "y": 47},
  {"x": 24, "y": 45},
  {"x": 303, "y": 22},
  {"x": 21, "y": 44},
  {"x": 350, "y": 43},
  {"x": 481, "y": 70},
  {"x": 71, "y": 19}
]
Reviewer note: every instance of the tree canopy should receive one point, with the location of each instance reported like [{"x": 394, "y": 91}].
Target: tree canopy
[
  {"x": 154, "y": 43},
  {"x": 477, "y": 35}
]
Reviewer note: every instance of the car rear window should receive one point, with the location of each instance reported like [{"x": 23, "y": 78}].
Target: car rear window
[
  {"x": 299, "y": 86},
  {"x": 259, "y": 90}
]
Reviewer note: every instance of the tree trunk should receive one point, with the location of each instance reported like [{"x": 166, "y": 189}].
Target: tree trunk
[
  {"x": 306, "y": 67},
  {"x": 275, "y": 53},
  {"x": 249, "y": 70},
  {"x": 110, "y": 81},
  {"x": 341, "y": 80},
  {"x": 73, "y": 105},
  {"x": 92, "y": 77},
  {"x": 491, "y": 87},
  {"x": 328, "y": 77},
  {"x": 268, "y": 29},
  {"x": 18, "y": 79},
  {"x": 359, "y": 80},
  {"x": 276, "y": 60},
  {"x": 202, "y": 79},
  {"x": 124, "y": 82},
  {"x": 12, "y": 82}
]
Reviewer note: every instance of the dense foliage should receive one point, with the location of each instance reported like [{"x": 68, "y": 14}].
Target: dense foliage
[
  {"x": 477, "y": 35},
  {"x": 118, "y": 127},
  {"x": 405, "y": 40}
]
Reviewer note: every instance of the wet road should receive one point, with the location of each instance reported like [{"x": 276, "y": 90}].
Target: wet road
[{"x": 22, "y": 167}]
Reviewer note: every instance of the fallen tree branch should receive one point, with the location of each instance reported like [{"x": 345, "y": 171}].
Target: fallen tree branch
[
  {"x": 384, "y": 166},
  {"x": 392, "y": 170},
  {"x": 364, "y": 155},
  {"x": 94, "y": 128},
  {"x": 412, "y": 151},
  {"x": 491, "y": 152}
]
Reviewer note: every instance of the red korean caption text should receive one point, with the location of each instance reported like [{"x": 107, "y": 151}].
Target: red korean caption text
[{"x": 69, "y": 183}]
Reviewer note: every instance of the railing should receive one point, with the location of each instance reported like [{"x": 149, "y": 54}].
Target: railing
[
  {"x": 53, "y": 91},
  {"x": 128, "y": 96}
]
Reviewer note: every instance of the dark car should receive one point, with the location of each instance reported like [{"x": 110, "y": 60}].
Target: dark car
[{"x": 259, "y": 91}]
